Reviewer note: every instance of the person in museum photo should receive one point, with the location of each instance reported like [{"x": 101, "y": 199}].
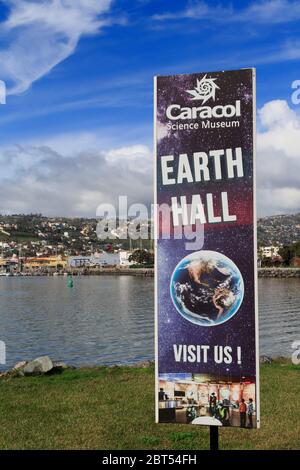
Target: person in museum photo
[
  {"x": 212, "y": 404},
  {"x": 243, "y": 410},
  {"x": 162, "y": 396},
  {"x": 250, "y": 410}
]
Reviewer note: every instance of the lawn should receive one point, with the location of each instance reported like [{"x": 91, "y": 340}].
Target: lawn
[{"x": 113, "y": 408}]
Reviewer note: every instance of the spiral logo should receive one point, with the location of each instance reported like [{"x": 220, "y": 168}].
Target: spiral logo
[{"x": 205, "y": 89}]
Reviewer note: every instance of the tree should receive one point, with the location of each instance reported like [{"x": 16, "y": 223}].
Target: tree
[
  {"x": 143, "y": 257},
  {"x": 288, "y": 252}
]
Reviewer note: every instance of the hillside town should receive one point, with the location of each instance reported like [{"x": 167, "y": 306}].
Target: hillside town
[{"x": 35, "y": 244}]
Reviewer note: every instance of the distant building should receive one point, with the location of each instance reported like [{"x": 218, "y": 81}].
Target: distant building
[
  {"x": 269, "y": 251},
  {"x": 120, "y": 258},
  {"x": 3, "y": 264},
  {"x": 9, "y": 264},
  {"x": 79, "y": 261},
  {"x": 45, "y": 262},
  {"x": 124, "y": 258}
]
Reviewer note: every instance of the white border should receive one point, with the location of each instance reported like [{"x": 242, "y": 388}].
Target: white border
[
  {"x": 257, "y": 379},
  {"x": 155, "y": 252},
  {"x": 257, "y": 372}
]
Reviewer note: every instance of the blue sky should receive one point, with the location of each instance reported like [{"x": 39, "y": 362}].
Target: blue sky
[{"x": 79, "y": 76}]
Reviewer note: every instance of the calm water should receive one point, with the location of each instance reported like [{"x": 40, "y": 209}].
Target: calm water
[
  {"x": 279, "y": 315},
  {"x": 109, "y": 319}
]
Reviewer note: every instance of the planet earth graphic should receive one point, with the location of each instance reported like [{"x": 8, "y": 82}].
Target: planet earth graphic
[{"x": 207, "y": 288}]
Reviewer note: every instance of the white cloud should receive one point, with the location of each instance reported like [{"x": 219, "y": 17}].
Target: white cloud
[
  {"x": 288, "y": 51},
  {"x": 138, "y": 157},
  {"x": 197, "y": 10},
  {"x": 72, "y": 174},
  {"x": 278, "y": 154},
  {"x": 272, "y": 11},
  {"x": 40, "y": 179},
  {"x": 42, "y": 34},
  {"x": 264, "y": 12},
  {"x": 276, "y": 113}
]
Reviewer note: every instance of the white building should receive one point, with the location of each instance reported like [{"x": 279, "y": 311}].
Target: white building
[
  {"x": 124, "y": 258},
  {"x": 269, "y": 251},
  {"x": 120, "y": 258}
]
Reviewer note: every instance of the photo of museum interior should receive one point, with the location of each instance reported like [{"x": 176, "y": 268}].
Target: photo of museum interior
[{"x": 206, "y": 399}]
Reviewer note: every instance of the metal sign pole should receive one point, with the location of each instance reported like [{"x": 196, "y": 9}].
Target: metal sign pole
[{"x": 214, "y": 437}]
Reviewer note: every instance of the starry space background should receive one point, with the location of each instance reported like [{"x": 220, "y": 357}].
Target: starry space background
[{"x": 234, "y": 239}]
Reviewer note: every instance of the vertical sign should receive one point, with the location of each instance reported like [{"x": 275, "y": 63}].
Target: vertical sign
[{"x": 206, "y": 302}]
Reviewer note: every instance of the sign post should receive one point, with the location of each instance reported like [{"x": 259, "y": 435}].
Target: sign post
[
  {"x": 214, "y": 437},
  {"x": 207, "y": 369}
]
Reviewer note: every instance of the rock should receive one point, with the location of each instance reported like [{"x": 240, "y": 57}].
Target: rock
[
  {"x": 41, "y": 365},
  {"x": 18, "y": 373},
  {"x": 265, "y": 360},
  {"x": 18, "y": 369},
  {"x": 60, "y": 366},
  {"x": 279, "y": 272},
  {"x": 19, "y": 365}
]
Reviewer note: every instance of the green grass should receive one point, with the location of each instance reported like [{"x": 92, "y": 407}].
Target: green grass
[
  {"x": 24, "y": 237},
  {"x": 19, "y": 237},
  {"x": 113, "y": 408}
]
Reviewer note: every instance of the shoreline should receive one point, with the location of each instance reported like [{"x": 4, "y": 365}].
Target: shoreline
[
  {"x": 61, "y": 365},
  {"x": 145, "y": 272},
  {"x": 279, "y": 273}
]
